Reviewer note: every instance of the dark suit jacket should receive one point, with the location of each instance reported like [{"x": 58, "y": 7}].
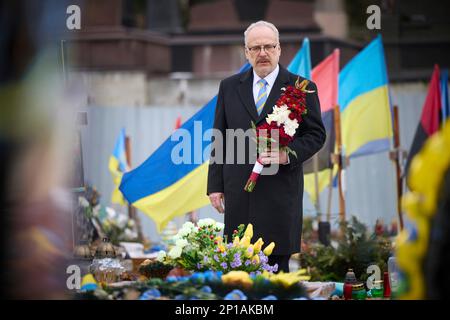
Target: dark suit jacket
[{"x": 275, "y": 205}]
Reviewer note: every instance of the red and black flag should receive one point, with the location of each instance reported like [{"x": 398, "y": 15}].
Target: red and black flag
[{"x": 430, "y": 118}]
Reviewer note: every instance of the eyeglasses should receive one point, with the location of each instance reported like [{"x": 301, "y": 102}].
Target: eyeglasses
[{"x": 269, "y": 48}]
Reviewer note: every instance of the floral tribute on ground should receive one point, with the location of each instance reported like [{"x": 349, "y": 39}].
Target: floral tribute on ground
[{"x": 201, "y": 248}]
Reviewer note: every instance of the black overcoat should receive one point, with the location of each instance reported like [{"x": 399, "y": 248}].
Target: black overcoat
[{"x": 275, "y": 205}]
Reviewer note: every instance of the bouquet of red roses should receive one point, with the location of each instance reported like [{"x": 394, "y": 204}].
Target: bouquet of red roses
[{"x": 284, "y": 120}]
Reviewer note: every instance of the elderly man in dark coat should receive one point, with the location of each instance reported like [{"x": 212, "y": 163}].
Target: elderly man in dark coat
[{"x": 275, "y": 205}]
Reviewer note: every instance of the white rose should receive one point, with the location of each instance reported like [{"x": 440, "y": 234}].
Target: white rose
[
  {"x": 161, "y": 256},
  {"x": 290, "y": 126},
  {"x": 278, "y": 115},
  {"x": 181, "y": 243},
  {"x": 175, "y": 252},
  {"x": 220, "y": 226},
  {"x": 206, "y": 222},
  {"x": 183, "y": 232},
  {"x": 188, "y": 225}
]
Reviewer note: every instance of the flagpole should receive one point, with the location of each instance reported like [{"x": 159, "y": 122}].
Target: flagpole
[
  {"x": 337, "y": 128},
  {"x": 316, "y": 184},
  {"x": 394, "y": 156},
  {"x": 132, "y": 210},
  {"x": 330, "y": 195}
]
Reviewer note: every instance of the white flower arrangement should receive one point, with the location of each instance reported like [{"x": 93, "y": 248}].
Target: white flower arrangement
[
  {"x": 290, "y": 126},
  {"x": 175, "y": 252},
  {"x": 206, "y": 222},
  {"x": 280, "y": 115},
  {"x": 220, "y": 226},
  {"x": 181, "y": 243},
  {"x": 161, "y": 256}
]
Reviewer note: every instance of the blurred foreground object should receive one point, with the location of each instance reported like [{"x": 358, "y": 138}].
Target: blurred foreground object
[
  {"x": 36, "y": 134},
  {"x": 423, "y": 246}
]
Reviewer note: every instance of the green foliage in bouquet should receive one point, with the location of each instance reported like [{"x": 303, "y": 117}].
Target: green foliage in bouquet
[
  {"x": 239, "y": 232},
  {"x": 356, "y": 250}
]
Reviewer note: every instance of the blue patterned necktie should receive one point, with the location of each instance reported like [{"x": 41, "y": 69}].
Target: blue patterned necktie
[{"x": 262, "y": 95}]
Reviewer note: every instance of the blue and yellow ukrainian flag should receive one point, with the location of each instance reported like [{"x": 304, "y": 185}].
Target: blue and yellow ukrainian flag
[
  {"x": 301, "y": 64},
  {"x": 163, "y": 188},
  {"x": 366, "y": 122},
  {"x": 118, "y": 166}
]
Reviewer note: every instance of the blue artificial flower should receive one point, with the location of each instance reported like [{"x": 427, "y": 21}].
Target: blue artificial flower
[
  {"x": 224, "y": 254},
  {"x": 151, "y": 294},
  {"x": 180, "y": 297},
  {"x": 216, "y": 257},
  {"x": 224, "y": 265},
  {"x": 237, "y": 256},
  {"x": 270, "y": 297},
  {"x": 198, "y": 277},
  {"x": 236, "y": 295},
  {"x": 210, "y": 276},
  {"x": 206, "y": 289},
  {"x": 171, "y": 279},
  {"x": 247, "y": 262}
]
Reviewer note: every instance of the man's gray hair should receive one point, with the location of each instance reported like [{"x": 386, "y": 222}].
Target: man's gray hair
[{"x": 262, "y": 23}]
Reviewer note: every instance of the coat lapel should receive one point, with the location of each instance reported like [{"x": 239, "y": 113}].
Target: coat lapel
[
  {"x": 281, "y": 81},
  {"x": 246, "y": 93}
]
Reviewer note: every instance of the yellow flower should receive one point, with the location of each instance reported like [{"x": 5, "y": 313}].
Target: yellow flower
[
  {"x": 249, "y": 252},
  {"x": 286, "y": 279},
  {"x": 255, "y": 259},
  {"x": 219, "y": 240},
  {"x": 258, "y": 245},
  {"x": 221, "y": 248},
  {"x": 249, "y": 231},
  {"x": 236, "y": 241},
  {"x": 245, "y": 242},
  {"x": 268, "y": 250},
  {"x": 238, "y": 278}
]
